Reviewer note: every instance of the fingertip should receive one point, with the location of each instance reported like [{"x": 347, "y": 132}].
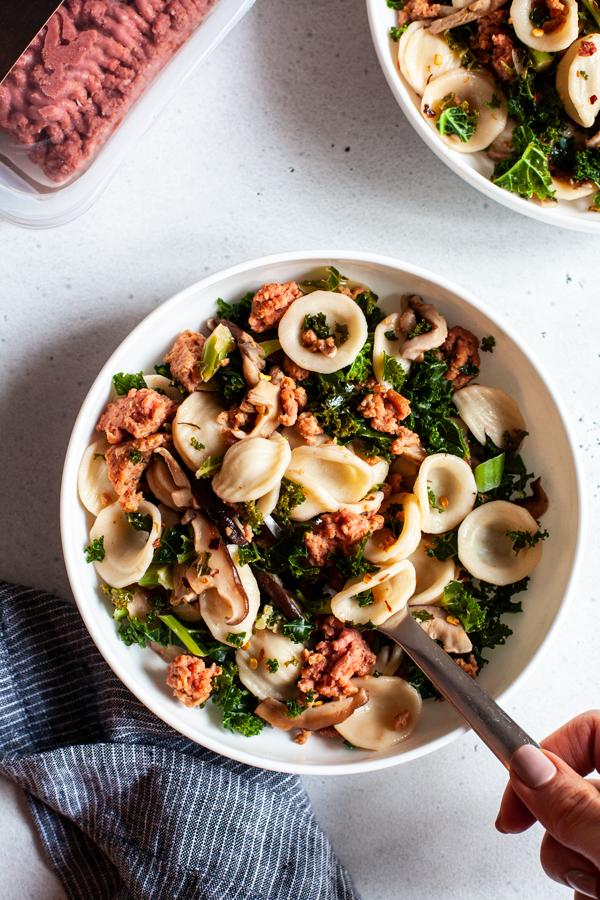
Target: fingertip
[
  {"x": 498, "y": 826},
  {"x": 532, "y": 766}
]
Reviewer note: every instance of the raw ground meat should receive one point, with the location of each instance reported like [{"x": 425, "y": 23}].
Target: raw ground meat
[{"x": 83, "y": 72}]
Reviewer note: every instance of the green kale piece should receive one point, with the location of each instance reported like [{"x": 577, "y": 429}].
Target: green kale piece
[
  {"x": 248, "y": 553},
  {"x": 341, "y": 335},
  {"x": 366, "y": 599},
  {"x": 390, "y": 336},
  {"x": 367, "y": 300},
  {"x": 422, "y": 327},
  {"x": 100, "y": 456},
  {"x": 422, "y": 615},
  {"x": 236, "y": 702},
  {"x": 494, "y": 103},
  {"x": 457, "y": 118},
  {"x": 393, "y": 518},
  {"x": 209, "y": 466},
  {"x": 524, "y": 539},
  {"x": 362, "y": 367},
  {"x": 430, "y": 397},
  {"x": 393, "y": 371},
  {"x": 468, "y": 60},
  {"x": 395, "y": 4},
  {"x": 237, "y": 313},
  {"x": 587, "y": 168},
  {"x": 347, "y": 743},
  {"x": 272, "y": 665},
  {"x": 139, "y": 521},
  {"x": 236, "y": 639},
  {"x": 196, "y": 444},
  {"x": 396, "y": 32},
  {"x": 318, "y": 324},
  {"x": 136, "y": 456},
  {"x": 176, "y": 545},
  {"x": 526, "y": 172},
  {"x": 444, "y": 546},
  {"x": 433, "y": 501},
  {"x": 291, "y": 495},
  {"x": 488, "y": 344},
  {"x": 294, "y": 709},
  {"x": 353, "y": 566},
  {"x": 299, "y": 630},
  {"x": 124, "y": 382},
  {"x": 462, "y": 604},
  {"x": 229, "y": 380},
  {"x": 251, "y": 515},
  {"x": 95, "y": 552},
  {"x": 164, "y": 369},
  {"x": 331, "y": 283}
]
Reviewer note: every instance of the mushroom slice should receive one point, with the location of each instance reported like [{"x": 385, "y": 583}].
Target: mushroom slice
[
  {"x": 196, "y": 432},
  {"x": 265, "y": 397},
  {"x": 423, "y": 56},
  {"x": 253, "y": 659},
  {"x": 96, "y": 490},
  {"x": 578, "y": 79},
  {"x": 477, "y": 90},
  {"x": 216, "y": 568},
  {"x": 252, "y": 360},
  {"x": 453, "y": 636},
  {"x": 446, "y": 490},
  {"x": 486, "y": 550},
  {"x": 415, "y": 347},
  {"x": 332, "y": 478},
  {"x": 388, "y": 659},
  {"x": 432, "y": 574},
  {"x": 378, "y": 549},
  {"x": 215, "y": 604},
  {"x": 467, "y": 13},
  {"x": 314, "y": 717},
  {"x": 559, "y": 38},
  {"x": 388, "y": 342},
  {"x": 489, "y": 412},
  {"x": 343, "y": 316},
  {"x": 389, "y": 717},
  {"x": 252, "y": 468},
  {"x": 169, "y": 483},
  {"x": 391, "y": 587},
  {"x": 127, "y": 551}
]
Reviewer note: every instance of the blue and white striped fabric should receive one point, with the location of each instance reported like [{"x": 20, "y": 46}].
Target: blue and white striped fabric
[{"x": 127, "y": 807}]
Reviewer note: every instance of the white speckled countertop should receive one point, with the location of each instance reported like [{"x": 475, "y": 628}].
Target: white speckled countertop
[{"x": 288, "y": 138}]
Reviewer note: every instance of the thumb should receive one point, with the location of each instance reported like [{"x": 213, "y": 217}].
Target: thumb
[{"x": 562, "y": 801}]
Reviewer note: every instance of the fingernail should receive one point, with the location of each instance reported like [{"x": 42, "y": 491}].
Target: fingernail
[
  {"x": 532, "y": 766},
  {"x": 584, "y": 882}
]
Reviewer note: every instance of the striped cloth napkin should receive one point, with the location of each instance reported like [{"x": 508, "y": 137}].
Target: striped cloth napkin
[{"x": 125, "y": 806}]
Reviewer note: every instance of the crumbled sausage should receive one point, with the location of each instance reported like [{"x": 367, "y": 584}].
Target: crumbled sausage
[
  {"x": 415, "y": 10},
  {"x": 141, "y": 413},
  {"x": 586, "y": 48},
  {"x": 292, "y": 397},
  {"x": 184, "y": 357},
  {"x": 294, "y": 371},
  {"x": 469, "y": 666},
  {"x": 385, "y": 408},
  {"x": 302, "y": 736},
  {"x": 493, "y": 45},
  {"x": 125, "y": 463},
  {"x": 191, "y": 680},
  {"x": 307, "y": 427},
  {"x": 406, "y": 438},
  {"x": 401, "y": 720},
  {"x": 342, "y": 655},
  {"x": 459, "y": 347},
  {"x": 314, "y": 344},
  {"x": 237, "y": 416},
  {"x": 270, "y": 303},
  {"x": 338, "y": 531}
]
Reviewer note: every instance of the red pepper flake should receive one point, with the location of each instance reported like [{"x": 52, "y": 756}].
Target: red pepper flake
[
  {"x": 593, "y": 99},
  {"x": 536, "y": 96},
  {"x": 388, "y": 606},
  {"x": 429, "y": 112},
  {"x": 587, "y": 48}
]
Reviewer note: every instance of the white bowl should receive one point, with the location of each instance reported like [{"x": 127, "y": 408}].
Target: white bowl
[
  {"x": 550, "y": 451},
  {"x": 475, "y": 168}
]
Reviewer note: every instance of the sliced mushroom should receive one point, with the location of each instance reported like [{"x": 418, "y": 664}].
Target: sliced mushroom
[
  {"x": 389, "y": 717},
  {"x": 284, "y": 600},
  {"x": 220, "y": 514},
  {"x": 266, "y": 399},
  {"x": 536, "y": 504},
  {"x": 467, "y": 14},
  {"x": 415, "y": 348},
  {"x": 223, "y": 575},
  {"x": 314, "y": 717},
  {"x": 182, "y": 590},
  {"x": 169, "y": 483},
  {"x": 453, "y": 636},
  {"x": 252, "y": 361}
]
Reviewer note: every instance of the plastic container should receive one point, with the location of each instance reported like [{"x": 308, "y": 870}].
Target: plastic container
[{"x": 28, "y": 197}]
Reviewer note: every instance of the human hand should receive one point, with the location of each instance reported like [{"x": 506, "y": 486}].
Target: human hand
[{"x": 549, "y": 787}]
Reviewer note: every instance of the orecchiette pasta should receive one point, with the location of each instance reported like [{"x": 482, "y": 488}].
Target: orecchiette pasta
[
  {"x": 391, "y": 587},
  {"x": 578, "y": 80},
  {"x": 489, "y": 412},
  {"x": 264, "y": 648},
  {"x": 196, "y": 432},
  {"x": 390, "y": 715},
  {"x": 252, "y": 468},
  {"x": 388, "y": 660},
  {"x": 432, "y": 575},
  {"x": 388, "y": 341},
  {"x": 95, "y": 488},
  {"x": 212, "y": 604},
  {"x": 423, "y": 57},
  {"x": 378, "y": 548},
  {"x": 536, "y": 38},
  {"x": 478, "y": 90},
  {"x": 487, "y": 551},
  {"x": 340, "y": 313},
  {"x": 446, "y": 491},
  {"x": 128, "y": 552},
  {"x": 162, "y": 384},
  {"x": 565, "y": 190}
]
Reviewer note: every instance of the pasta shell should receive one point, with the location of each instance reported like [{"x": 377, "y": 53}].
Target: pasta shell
[
  {"x": 383, "y": 346},
  {"x": 432, "y": 575},
  {"x": 423, "y": 57},
  {"x": 489, "y": 412},
  {"x": 477, "y": 89},
  {"x": 388, "y": 659},
  {"x": 391, "y": 589},
  {"x": 580, "y": 93},
  {"x": 196, "y": 421},
  {"x": 564, "y": 190},
  {"x": 332, "y": 478},
  {"x": 254, "y": 672},
  {"x": 408, "y": 540},
  {"x": 338, "y": 310},
  {"x": 128, "y": 552},
  {"x": 252, "y": 468},
  {"x": 215, "y": 612},
  {"x": 485, "y": 549},
  {"x": 559, "y": 39},
  {"x": 372, "y": 725},
  {"x": 95, "y": 488},
  {"x": 448, "y": 482}
]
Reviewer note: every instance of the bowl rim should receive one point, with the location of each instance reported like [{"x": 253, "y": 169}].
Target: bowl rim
[
  {"x": 69, "y": 483},
  {"x": 577, "y": 221}
]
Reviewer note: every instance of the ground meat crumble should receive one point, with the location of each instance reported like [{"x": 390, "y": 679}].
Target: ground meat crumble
[
  {"x": 416, "y": 10},
  {"x": 270, "y": 303},
  {"x": 184, "y": 358},
  {"x": 338, "y": 531},
  {"x": 141, "y": 413},
  {"x": 293, "y": 398},
  {"x": 329, "y": 668},
  {"x": 127, "y": 461},
  {"x": 459, "y": 347},
  {"x": 308, "y": 427},
  {"x": 315, "y": 344},
  {"x": 386, "y": 408},
  {"x": 493, "y": 45},
  {"x": 469, "y": 666},
  {"x": 191, "y": 680}
]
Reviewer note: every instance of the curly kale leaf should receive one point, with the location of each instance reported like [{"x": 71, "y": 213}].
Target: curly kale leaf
[
  {"x": 459, "y": 602},
  {"x": 95, "y": 552},
  {"x": 523, "y": 539},
  {"x": 237, "y": 312},
  {"x": 176, "y": 545},
  {"x": 430, "y": 397},
  {"x": 236, "y": 702},
  {"x": 526, "y": 171},
  {"x": 444, "y": 546},
  {"x": 124, "y": 382},
  {"x": 291, "y": 495},
  {"x": 367, "y": 300},
  {"x": 587, "y": 168},
  {"x": 251, "y": 515},
  {"x": 457, "y": 118},
  {"x": 299, "y": 630},
  {"x": 393, "y": 371},
  {"x": 331, "y": 282},
  {"x": 229, "y": 380}
]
